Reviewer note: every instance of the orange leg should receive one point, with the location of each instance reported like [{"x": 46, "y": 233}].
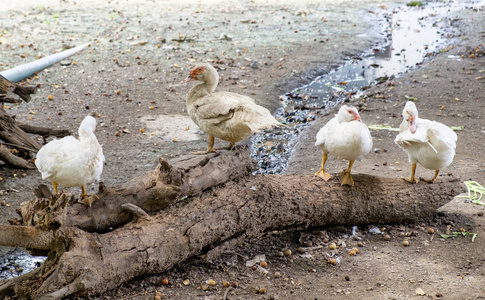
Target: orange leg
[
  {"x": 321, "y": 173},
  {"x": 87, "y": 199},
  {"x": 54, "y": 184},
  {"x": 346, "y": 177},
  {"x": 412, "y": 179},
  {"x": 436, "y": 172},
  {"x": 210, "y": 148}
]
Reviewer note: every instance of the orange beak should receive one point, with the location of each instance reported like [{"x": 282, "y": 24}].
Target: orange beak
[{"x": 412, "y": 125}]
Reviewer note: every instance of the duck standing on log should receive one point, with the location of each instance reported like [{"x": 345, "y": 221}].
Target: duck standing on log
[
  {"x": 430, "y": 143},
  {"x": 345, "y": 136},
  {"x": 71, "y": 162},
  {"x": 228, "y": 116}
]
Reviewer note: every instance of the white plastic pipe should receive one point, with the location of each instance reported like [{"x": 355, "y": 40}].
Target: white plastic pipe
[{"x": 23, "y": 71}]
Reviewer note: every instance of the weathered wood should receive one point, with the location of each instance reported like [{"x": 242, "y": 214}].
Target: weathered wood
[
  {"x": 244, "y": 207},
  {"x": 15, "y": 136},
  {"x": 26, "y": 236},
  {"x": 11, "y": 133},
  {"x": 44, "y": 131},
  {"x": 15, "y": 161},
  {"x": 7, "y": 88},
  {"x": 166, "y": 184}
]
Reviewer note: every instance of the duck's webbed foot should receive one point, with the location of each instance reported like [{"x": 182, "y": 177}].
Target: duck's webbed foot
[
  {"x": 87, "y": 199},
  {"x": 324, "y": 175},
  {"x": 347, "y": 178},
  {"x": 432, "y": 180},
  {"x": 210, "y": 148}
]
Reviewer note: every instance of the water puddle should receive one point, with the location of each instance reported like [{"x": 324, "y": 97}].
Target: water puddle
[
  {"x": 415, "y": 34},
  {"x": 17, "y": 261}
]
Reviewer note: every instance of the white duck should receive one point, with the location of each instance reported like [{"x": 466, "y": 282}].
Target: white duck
[
  {"x": 228, "y": 116},
  {"x": 70, "y": 162},
  {"x": 430, "y": 143},
  {"x": 345, "y": 136}
]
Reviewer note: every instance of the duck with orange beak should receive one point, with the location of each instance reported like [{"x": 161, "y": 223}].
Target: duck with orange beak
[
  {"x": 429, "y": 143},
  {"x": 228, "y": 116},
  {"x": 345, "y": 137}
]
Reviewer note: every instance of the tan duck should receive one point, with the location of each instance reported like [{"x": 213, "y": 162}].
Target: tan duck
[
  {"x": 430, "y": 143},
  {"x": 228, "y": 116}
]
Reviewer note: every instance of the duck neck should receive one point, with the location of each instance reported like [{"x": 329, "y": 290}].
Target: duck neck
[
  {"x": 203, "y": 89},
  {"x": 87, "y": 137}
]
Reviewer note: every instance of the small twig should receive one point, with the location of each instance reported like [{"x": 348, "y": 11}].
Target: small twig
[
  {"x": 226, "y": 292},
  {"x": 20, "y": 147}
]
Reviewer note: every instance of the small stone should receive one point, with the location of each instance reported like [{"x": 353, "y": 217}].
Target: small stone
[
  {"x": 158, "y": 296},
  {"x": 263, "y": 264},
  {"x": 332, "y": 246},
  {"x": 234, "y": 284},
  {"x": 280, "y": 254},
  {"x": 165, "y": 281},
  {"x": 66, "y": 62},
  {"x": 419, "y": 291},
  {"x": 186, "y": 282},
  {"x": 211, "y": 282},
  {"x": 405, "y": 243},
  {"x": 287, "y": 252},
  {"x": 277, "y": 275},
  {"x": 360, "y": 244},
  {"x": 226, "y": 283},
  {"x": 301, "y": 250},
  {"x": 386, "y": 237}
]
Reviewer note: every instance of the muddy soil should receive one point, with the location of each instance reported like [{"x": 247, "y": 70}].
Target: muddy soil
[{"x": 130, "y": 77}]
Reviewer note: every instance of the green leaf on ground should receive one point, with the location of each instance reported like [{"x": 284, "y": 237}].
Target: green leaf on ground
[
  {"x": 382, "y": 127},
  {"x": 475, "y": 192},
  {"x": 460, "y": 233},
  {"x": 411, "y": 98},
  {"x": 414, "y": 3}
]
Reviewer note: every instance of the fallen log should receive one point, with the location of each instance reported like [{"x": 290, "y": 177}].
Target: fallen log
[{"x": 213, "y": 213}]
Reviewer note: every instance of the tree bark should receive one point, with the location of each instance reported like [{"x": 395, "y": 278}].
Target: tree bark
[
  {"x": 15, "y": 136},
  {"x": 7, "y": 88},
  {"x": 88, "y": 260},
  {"x": 44, "y": 131}
]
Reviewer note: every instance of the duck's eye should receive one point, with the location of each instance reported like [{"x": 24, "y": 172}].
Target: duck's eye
[{"x": 199, "y": 69}]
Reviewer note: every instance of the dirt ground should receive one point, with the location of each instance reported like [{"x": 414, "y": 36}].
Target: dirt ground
[{"x": 130, "y": 77}]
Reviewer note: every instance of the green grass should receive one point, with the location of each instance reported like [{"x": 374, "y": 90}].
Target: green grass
[
  {"x": 475, "y": 192},
  {"x": 415, "y": 3},
  {"x": 382, "y": 127},
  {"x": 460, "y": 233}
]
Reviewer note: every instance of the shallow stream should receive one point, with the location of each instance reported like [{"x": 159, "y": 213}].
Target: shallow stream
[{"x": 415, "y": 33}]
